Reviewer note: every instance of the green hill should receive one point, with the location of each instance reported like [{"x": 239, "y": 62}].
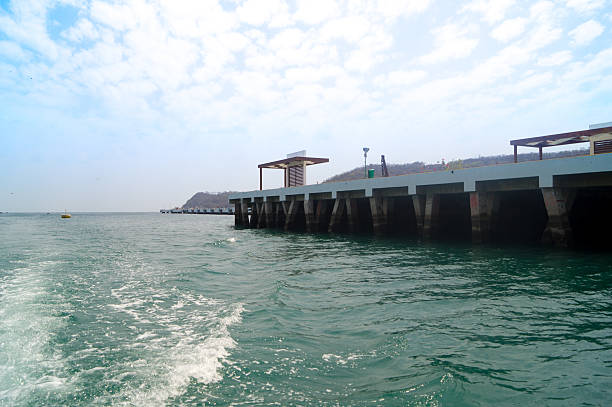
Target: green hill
[
  {"x": 418, "y": 166},
  {"x": 208, "y": 200}
]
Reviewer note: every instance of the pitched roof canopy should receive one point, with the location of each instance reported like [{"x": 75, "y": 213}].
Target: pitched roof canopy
[
  {"x": 560, "y": 139},
  {"x": 293, "y": 161}
]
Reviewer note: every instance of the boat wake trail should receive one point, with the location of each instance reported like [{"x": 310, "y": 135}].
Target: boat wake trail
[
  {"x": 32, "y": 310},
  {"x": 172, "y": 341}
]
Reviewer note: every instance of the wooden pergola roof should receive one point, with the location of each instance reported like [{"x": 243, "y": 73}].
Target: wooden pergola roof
[
  {"x": 560, "y": 139},
  {"x": 553, "y": 140},
  {"x": 289, "y": 162}
]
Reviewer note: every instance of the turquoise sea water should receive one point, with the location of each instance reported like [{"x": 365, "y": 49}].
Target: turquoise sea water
[{"x": 150, "y": 309}]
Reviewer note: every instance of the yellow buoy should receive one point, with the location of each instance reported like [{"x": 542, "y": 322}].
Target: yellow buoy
[{"x": 65, "y": 215}]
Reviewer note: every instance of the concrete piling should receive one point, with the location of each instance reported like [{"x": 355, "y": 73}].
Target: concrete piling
[
  {"x": 309, "y": 213},
  {"x": 558, "y": 229},
  {"x": 268, "y": 208},
  {"x": 322, "y": 214},
  {"x": 244, "y": 213},
  {"x": 336, "y": 215},
  {"x": 261, "y": 216},
  {"x": 482, "y": 206},
  {"x": 291, "y": 215},
  {"x": 432, "y": 214},
  {"x": 418, "y": 203},
  {"x": 380, "y": 209},
  {"x": 352, "y": 215}
]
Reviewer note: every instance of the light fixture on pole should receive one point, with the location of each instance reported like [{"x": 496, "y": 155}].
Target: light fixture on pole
[{"x": 365, "y": 160}]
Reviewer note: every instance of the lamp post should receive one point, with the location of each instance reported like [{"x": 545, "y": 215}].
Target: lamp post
[{"x": 365, "y": 160}]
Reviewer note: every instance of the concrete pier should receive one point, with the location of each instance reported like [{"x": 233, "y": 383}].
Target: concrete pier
[{"x": 558, "y": 201}]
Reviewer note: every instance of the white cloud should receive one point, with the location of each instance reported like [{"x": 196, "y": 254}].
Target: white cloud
[
  {"x": 195, "y": 18},
  {"x": 400, "y": 78},
  {"x": 509, "y": 29},
  {"x": 275, "y": 13},
  {"x": 585, "y": 5},
  {"x": 83, "y": 30},
  {"x": 316, "y": 11},
  {"x": 529, "y": 83},
  {"x": 541, "y": 37},
  {"x": 117, "y": 16},
  {"x": 586, "y": 32},
  {"x": 394, "y": 8},
  {"x": 312, "y": 74},
  {"x": 12, "y": 51},
  {"x": 556, "y": 59},
  {"x": 29, "y": 28},
  {"x": 451, "y": 42},
  {"x": 492, "y": 10},
  {"x": 351, "y": 29}
]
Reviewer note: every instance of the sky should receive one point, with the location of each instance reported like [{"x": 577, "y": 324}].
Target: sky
[{"x": 136, "y": 105}]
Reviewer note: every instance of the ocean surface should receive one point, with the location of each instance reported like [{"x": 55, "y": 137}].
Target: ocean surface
[{"x": 151, "y": 309}]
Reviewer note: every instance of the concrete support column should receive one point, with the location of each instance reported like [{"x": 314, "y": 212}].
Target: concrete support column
[
  {"x": 269, "y": 211},
  {"x": 321, "y": 214},
  {"x": 291, "y": 215},
  {"x": 279, "y": 220},
  {"x": 244, "y": 213},
  {"x": 261, "y": 215},
  {"x": 237, "y": 214},
  {"x": 418, "y": 202},
  {"x": 309, "y": 213},
  {"x": 558, "y": 205},
  {"x": 336, "y": 215},
  {"x": 380, "y": 208},
  {"x": 481, "y": 209},
  {"x": 254, "y": 216},
  {"x": 352, "y": 215},
  {"x": 432, "y": 215}
]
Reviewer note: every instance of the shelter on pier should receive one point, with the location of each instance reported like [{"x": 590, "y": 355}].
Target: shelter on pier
[
  {"x": 598, "y": 135},
  {"x": 294, "y": 166}
]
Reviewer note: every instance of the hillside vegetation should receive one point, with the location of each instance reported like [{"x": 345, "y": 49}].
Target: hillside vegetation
[
  {"x": 220, "y": 199},
  {"x": 418, "y": 166}
]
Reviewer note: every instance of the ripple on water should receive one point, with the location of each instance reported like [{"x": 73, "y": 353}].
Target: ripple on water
[{"x": 150, "y": 310}]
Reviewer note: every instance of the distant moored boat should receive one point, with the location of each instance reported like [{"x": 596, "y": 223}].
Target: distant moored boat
[{"x": 66, "y": 215}]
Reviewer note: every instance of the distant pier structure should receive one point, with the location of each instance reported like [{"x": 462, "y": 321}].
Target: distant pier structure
[
  {"x": 564, "y": 202},
  {"x": 200, "y": 211}
]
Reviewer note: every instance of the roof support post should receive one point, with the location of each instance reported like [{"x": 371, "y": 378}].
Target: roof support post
[
  {"x": 515, "y": 154},
  {"x": 540, "y": 151},
  {"x": 260, "y": 178}
]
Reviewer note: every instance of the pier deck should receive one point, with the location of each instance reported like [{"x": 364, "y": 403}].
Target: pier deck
[{"x": 487, "y": 202}]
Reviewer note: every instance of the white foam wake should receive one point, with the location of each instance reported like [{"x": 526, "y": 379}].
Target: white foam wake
[
  {"x": 184, "y": 352},
  {"x": 30, "y": 313}
]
